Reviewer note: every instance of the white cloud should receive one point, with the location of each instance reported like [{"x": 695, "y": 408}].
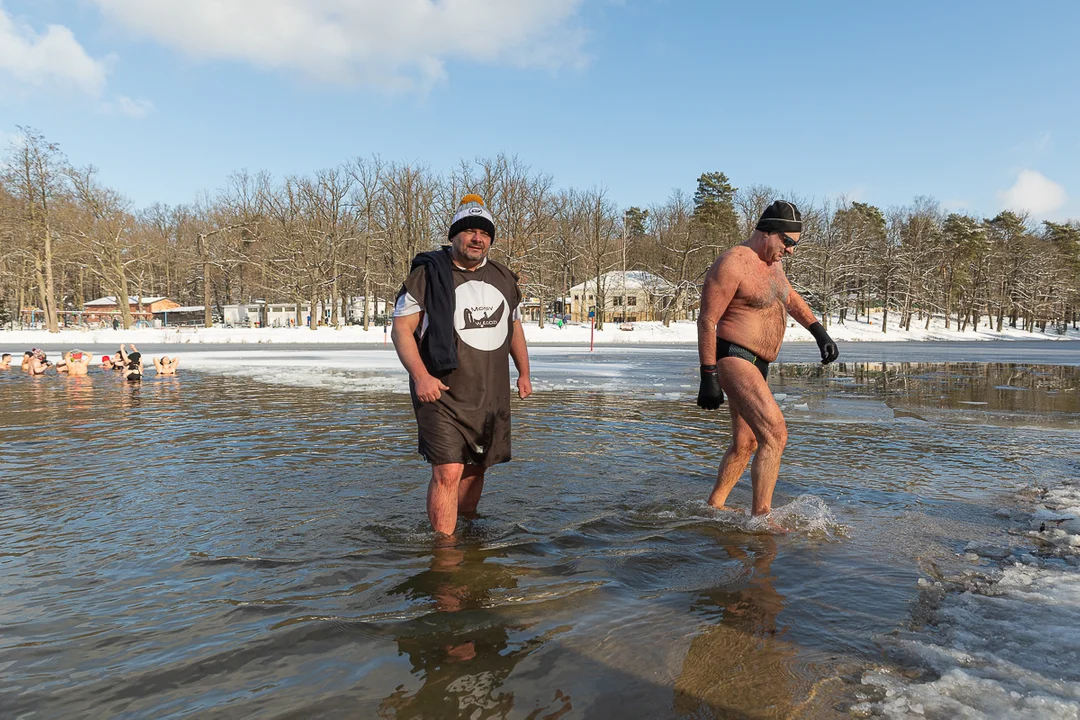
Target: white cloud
[
  {"x": 1033, "y": 192},
  {"x": 1036, "y": 145},
  {"x": 132, "y": 108},
  {"x": 49, "y": 59},
  {"x": 393, "y": 44}
]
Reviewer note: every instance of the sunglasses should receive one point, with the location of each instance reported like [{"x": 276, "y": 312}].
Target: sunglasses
[{"x": 788, "y": 242}]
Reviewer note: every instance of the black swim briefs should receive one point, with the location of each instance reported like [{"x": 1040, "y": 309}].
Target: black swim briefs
[{"x": 725, "y": 348}]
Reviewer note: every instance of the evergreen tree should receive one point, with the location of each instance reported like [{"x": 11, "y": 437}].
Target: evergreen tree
[{"x": 714, "y": 213}]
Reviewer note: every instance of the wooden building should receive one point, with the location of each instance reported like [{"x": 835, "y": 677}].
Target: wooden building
[{"x": 106, "y": 308}]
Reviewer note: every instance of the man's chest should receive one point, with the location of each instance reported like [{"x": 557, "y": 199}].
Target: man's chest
[{"x": 763, "y": 289}]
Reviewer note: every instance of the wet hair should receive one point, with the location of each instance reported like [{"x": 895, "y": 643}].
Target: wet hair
[{"x": 5, "y": 355}]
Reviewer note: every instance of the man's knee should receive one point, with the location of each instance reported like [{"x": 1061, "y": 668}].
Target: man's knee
[
  {"x": 773, "y": 433},
  {"x": 744, "y": 444},
  {"x": 448, "y": 476}
]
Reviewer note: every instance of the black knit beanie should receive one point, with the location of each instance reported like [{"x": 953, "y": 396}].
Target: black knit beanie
[
  {"x": 472, "y": 214},
  {"x": 781, "y": 216}
]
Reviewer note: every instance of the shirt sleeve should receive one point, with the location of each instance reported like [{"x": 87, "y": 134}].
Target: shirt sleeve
[
  {"x": 406, "y": 305},
  {"x": 412, "y": 294}
]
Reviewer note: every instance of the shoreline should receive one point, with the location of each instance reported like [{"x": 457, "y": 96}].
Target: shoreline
[{"x": 683, "y": 332}]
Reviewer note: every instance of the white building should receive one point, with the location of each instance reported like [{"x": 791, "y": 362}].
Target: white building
[
  {"x": 633, "y": 296},
  {"x": 272, "y": 314}
]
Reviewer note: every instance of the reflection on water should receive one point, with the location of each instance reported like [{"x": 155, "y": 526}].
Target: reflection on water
[
  {"x": 460, "y": 655},
  {"x": 215, "y": 546},
  {"x": 742, "y": 664}
]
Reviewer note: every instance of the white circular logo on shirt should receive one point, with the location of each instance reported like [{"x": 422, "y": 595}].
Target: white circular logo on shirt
[{"x": 481, "y": 315}]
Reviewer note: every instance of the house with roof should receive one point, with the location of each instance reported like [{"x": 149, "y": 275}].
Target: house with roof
[
  {"x": 106, "y": 308},
  {"x": 631, "y": 296}
]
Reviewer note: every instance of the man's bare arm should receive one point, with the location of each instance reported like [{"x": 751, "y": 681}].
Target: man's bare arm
[
  {"x": 428, "y": 388},
  {"x": 720, "y": 285},
  {"x": 798, "y": 309},
  {"x": 403, "y": 335},
  {"x": 519, "y": 351}
]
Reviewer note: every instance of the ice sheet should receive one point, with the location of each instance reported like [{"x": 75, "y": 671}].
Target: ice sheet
[{"x": 1002, "y": 643}]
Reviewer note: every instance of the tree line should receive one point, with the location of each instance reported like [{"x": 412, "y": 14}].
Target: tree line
[{"x": 352, "y": 230}]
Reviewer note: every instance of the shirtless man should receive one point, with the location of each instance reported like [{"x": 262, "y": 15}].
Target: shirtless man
[
  {"x": 37, "y": 363},
  {"x": 78, "y": 362},
  {"x": 5, "y": 361},
  {"x": 744, "y": 306},
  {"x": 165, "y": 366}
]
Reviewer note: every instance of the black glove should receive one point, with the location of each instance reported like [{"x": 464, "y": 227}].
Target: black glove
[
  {"x": 710, "y": 396},
  {"x": 829, "y": 351}
]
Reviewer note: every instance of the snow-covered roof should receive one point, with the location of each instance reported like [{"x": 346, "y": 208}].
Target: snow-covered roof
[
  {"x": 635, "y": 280},
  {"x": 185, "y": 308},
  {"x": 111, "y": 300}
]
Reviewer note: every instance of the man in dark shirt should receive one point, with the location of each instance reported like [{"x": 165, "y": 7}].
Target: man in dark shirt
[{"x": 459, "y": 377}]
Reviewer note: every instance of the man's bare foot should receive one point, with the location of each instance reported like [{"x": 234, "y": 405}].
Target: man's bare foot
[{"x": 766, "y": 522}]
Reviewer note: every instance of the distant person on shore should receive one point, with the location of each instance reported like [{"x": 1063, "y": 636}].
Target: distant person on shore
[
  {"x": 456, "y": 319},
  {"x": 5, "y": 361},
  {"x": 165, "y": 366},
  {"x": 78, "y": 362},
  {"x": 744, "y": 306}
]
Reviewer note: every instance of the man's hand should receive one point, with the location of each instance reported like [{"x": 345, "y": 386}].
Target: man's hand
[
  {"x": 524, "y": 386},
  {"x": 429, "y": 388},
  {"x": 829, "y": 351},
  {"x": 710, "y": 396}
]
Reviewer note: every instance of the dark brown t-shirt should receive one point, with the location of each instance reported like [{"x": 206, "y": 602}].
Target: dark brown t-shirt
[{"x": 470, "y": 423}]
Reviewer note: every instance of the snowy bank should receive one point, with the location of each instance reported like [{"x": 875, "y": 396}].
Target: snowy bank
[
  {"x": 682, "y": 332},
  {"x": 1002, "y": 640}
]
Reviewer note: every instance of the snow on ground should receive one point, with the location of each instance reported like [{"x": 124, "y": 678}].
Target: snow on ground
[
  {"x": 573, "y": 334},
  {"x": 1004, "y": 640}
]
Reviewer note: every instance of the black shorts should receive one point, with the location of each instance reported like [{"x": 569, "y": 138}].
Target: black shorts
[
  {"x": 725, "y": 348},
  {"x": 443, "y": 439}
]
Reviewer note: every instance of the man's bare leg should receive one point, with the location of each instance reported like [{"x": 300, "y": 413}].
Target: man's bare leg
[
  {"x": 442, "y": 497},
  {"x": 472, "y": 485},
  {"x": 751, "y": 400},
  {"x": 743, "y": 444}
]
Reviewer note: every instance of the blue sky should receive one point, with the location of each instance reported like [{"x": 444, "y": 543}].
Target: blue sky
[{"x": 973, "y": 103}]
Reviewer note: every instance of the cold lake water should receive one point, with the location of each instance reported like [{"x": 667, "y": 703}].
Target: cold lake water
[{"x": 249, "y": 539}]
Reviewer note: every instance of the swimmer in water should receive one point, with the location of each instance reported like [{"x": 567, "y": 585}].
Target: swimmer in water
[
  {"x": 165, "y": 366},
  {"x": 37, "y": 364},
  {"x": 5, "y": 361},
  {"x": 78, "y": 362},
  {"x": 132, "y": 363}
]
